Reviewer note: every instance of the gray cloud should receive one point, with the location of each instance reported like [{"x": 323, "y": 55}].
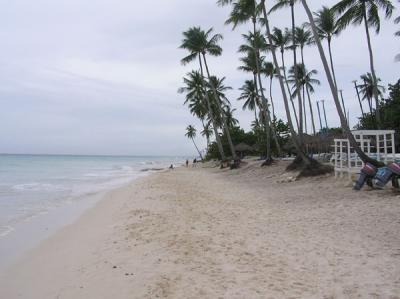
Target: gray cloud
[{"x": 100, "y": 76}]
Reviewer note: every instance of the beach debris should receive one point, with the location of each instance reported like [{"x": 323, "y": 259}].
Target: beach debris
[{"x": 287, "y": 179}]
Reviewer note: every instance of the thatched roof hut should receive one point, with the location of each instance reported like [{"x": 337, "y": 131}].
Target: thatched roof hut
[{"x": 243, "y": 147}]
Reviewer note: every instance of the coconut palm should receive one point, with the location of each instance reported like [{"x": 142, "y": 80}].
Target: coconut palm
[
  {"x": 328, "y": 27},
  {"x": 250, "y": 96},
  {"x": 191, "y": 134},
  {"x": 397, "y": 21},
  {"x": 199, "y": 43},
  {"x": 230, "y": 119},
  {"x": 300, "y": 152},
  {"x": 268, "y": 70},
  {"x": 306, "y": 82},
  {"x": 194, "y": 94},
  {"x": 207, "y": 132},
  {"x": 280, "y": 39},
  {"x": 303, "y": 37},
  {"x": 279, "y": 5},
  {"x": 242, "y": 12},
  {"x": 367, "y": 12},
  {"x": 344, "y": 124},
  {"x": 367, "y": 89},
  {"x": 195, "y": 99}
]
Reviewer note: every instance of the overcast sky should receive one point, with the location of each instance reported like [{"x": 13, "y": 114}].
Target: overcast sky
[{"x": 101, "y": 76}]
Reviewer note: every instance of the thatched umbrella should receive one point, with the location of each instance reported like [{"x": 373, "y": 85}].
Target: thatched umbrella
[{"x": 243, "y": 148}]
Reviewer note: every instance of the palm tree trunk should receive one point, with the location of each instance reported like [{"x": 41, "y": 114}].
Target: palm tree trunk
[
  {"x": 359, "y": 99},
  {"x": 275, "y": 134},
  {"x": 210, "y": 112},
  {"x": 228, "y": 134},
  {"x": 344, "y": 107},
  {"x": 205, "y": 130},
  {"x": 320, "y": 119},
  {"x": 295, "y": 74},
  {"x": 294, "y": 138},
  {"x": 334, "y": 92},
  {"x": 288, "y": 89},
  {"x": 304, "y": 97},
  {"x": 270, "y": 96},
  {"x": 371, "y": 62},
  {"x": 331, "y": 60},
  {"x": 311, "y": 110},
  {"x": 197, "y": 149},
  {"x": 264, "y": 101}
]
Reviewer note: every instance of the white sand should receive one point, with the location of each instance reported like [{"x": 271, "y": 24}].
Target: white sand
[{"x": 206, "y": 233}]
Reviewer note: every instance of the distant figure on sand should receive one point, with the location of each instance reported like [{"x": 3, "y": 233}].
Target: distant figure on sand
[
  {"x": 171, "y": 167},
  {"x": 187, "y": 163},
  {"x": 194, "y": 162}
]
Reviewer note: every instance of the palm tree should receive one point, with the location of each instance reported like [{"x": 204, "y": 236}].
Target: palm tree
[
  {"x": 280, "y": 39},
  {"x": 196, "y": 100},
  {"x": 250, "y": 96},
  {"x": 268, "y": 70},
  {"x": 367, "y": 12},
  {"x": 194, "y": 94},
  {"x": 303, "y": 37},
  {"x": 328, "y": 27},
  {"x": 199, "y": 43},
  {"x": 397, "y": 21},
  {"x": 334, "y": 91},
  {"x": 307, "y": 83},
  {"x": 300, "y": 152},
  {"x": 243, "y": 11},
  {"x": 367, "y": 89},
  {"x": 279, "y": 5},
  {"x": 207, "y": 132},
  {"x": 191, "y": 134},
  {"x": 230, "y": 119}
]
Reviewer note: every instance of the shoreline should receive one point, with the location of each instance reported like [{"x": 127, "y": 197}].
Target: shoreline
[
  {"x": 28, "y": 234},
  {"x": 210, "y": 233}
]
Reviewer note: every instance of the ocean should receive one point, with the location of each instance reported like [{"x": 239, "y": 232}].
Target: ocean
[{"x": 35, "y": 188}]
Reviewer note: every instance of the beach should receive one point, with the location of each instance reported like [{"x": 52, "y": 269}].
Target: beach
[{"x": 209, "y": 233}]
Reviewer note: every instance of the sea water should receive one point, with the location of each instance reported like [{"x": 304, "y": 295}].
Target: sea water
[{"x": 36, "y": 190}]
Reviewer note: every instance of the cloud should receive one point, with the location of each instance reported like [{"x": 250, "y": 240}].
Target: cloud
[{"x": 100, "y": 76}]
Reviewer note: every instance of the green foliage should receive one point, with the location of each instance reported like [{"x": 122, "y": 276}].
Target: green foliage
[
  {"x": 255, "y": 138},
  {"x": 390, "y": 113}
]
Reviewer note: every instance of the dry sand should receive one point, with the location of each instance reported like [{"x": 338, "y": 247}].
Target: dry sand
[{"x": 207, "y": 233}]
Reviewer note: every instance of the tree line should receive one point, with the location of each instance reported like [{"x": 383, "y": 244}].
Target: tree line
[{"x": 205, "y": 94}]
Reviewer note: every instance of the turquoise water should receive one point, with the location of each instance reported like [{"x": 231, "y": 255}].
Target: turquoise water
[{"x": 34, "y": 185}]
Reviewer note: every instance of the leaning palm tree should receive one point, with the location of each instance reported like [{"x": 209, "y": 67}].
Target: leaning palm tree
[
  {"x": 242, "y": 12},
  {"x": 191, "y": 134},
  {"x": 328, "y": 27},
  {"x": 279, "y": 5},
  {"x": 307, "y": 82},
  {"x": 199, "y": 43},
  {"x": 250, "y": 96},
  {"x": 334, "y": 91},
  {"x": 367, "y": 12},
  {"x": 280, "y": 39},
  {"x": 300, "y": 152}
]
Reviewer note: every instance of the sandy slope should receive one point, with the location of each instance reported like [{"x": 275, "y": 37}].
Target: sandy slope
[{"x": 206, "y": 233}]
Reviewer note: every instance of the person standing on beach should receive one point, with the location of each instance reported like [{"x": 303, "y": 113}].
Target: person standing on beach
[{"x": 187, "y": 163}]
